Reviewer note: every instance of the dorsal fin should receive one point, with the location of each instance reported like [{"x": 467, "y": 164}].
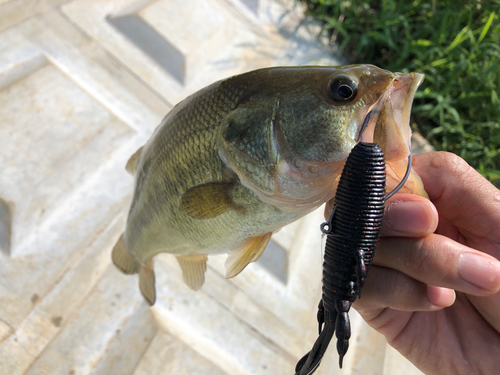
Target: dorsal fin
[
  {"x": 246, "y": 253},
  {"x": 132, "y": 162},
  {"x": 209, "y": 200}
]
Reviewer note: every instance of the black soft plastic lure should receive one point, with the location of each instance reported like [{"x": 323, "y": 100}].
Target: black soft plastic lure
[{"x": 352, "y": 235}]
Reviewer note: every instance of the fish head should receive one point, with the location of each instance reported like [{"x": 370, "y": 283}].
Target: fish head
[{"x": 290, "y": 134}]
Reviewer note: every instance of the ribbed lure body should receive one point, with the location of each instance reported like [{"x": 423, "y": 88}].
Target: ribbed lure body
[{"x": 350, "y": 245}]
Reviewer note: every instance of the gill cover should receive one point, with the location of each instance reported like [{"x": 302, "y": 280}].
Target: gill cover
[{"x": 288, "y": 139}]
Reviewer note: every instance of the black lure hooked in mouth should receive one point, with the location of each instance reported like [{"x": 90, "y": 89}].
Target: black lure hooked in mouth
[{"x": 352, "y": 233}]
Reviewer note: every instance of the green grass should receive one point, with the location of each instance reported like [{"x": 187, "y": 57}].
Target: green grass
[{"x": 455, "y": 43}]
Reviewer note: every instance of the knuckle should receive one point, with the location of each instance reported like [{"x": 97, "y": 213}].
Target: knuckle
[
  {"x": 456, "y": 165},
  {"x": 431, "y": 257},
  {"x": 418, "y": 256},
  {"x": 455, "y": 175},
  {"x": 403, "y": 288}
]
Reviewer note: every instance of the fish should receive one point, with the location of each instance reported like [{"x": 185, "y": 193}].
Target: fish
[{"x": 236, "y": 161}]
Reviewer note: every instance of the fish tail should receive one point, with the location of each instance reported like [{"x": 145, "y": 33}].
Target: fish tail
[
  {"x": 123, "y": 260},
  {"x": 147, "y": 282}
]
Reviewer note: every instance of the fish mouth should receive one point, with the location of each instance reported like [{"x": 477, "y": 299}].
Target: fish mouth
[
  {"x": 393, "y": 132},
  {"x": 392, "y": 129},
  {"x": 388, "y": 120},
  {"x": 401, "y": 98},
  {"x": 388, "y": 124},
  {"x": 415, "y": 80}
]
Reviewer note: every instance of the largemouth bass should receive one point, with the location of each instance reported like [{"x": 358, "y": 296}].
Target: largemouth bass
[{"x": 238, "y": 160}]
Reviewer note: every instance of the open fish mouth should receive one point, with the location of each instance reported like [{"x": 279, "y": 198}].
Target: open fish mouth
[
  {"x": 388, "y": 120},
  {"x": 395, "y": 137},
  {"x": 416, "y": 80},
  {"x": 388, "y": 124},
  {"x": 392, "y": 129}
]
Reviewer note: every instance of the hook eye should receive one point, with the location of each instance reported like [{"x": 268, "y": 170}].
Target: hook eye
[{"x": 327, "y": 226}]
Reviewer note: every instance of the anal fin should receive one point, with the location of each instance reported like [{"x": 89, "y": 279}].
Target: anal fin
[
  {"x": 193, "y": 269},
  {"x": 147, "y": 282},
  {"x": 123, "y": 260},
  {"x": 246, "y": 253}
]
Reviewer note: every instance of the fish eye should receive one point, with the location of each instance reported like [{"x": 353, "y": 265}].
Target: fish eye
[{"x": 343, "y": 89}]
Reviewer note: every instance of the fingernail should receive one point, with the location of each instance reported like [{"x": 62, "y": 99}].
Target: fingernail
[
  {"x": 479, "y": 271},
  {"x": 440, "y": 298},
  {"x": 411, "y": 217}
]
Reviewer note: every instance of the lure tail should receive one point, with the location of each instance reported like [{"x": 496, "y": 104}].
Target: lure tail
[
  {"x": 335, "y": 322},
  {"x": 310, "y": 362},
  {"x": 343, "y": 331}
]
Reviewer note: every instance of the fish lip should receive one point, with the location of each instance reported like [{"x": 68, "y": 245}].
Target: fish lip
[
  {"x": 414, "y": 80},
  {"x": 403, "y": 91}
]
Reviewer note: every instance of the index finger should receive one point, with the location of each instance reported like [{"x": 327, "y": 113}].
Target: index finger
[{"x": 461, "y": 195}]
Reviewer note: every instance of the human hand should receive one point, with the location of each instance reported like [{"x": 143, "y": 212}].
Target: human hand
[{"x": 433, "y": 293}]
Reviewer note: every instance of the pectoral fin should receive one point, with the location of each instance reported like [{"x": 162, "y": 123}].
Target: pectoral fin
[
  {"x": 209, "y": 200},
  {"x": 147, "y": 282},
  {"x": 132, "y": 162},
  {"x": 193, "y": 269},
  {"x": 248, "y": 252},
  {"x": 123, "y": 260}
]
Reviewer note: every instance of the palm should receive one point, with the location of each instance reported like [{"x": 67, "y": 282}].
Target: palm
[
  {"x": 462, "y": 338},
  {"x": 455, "y": 340}
]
